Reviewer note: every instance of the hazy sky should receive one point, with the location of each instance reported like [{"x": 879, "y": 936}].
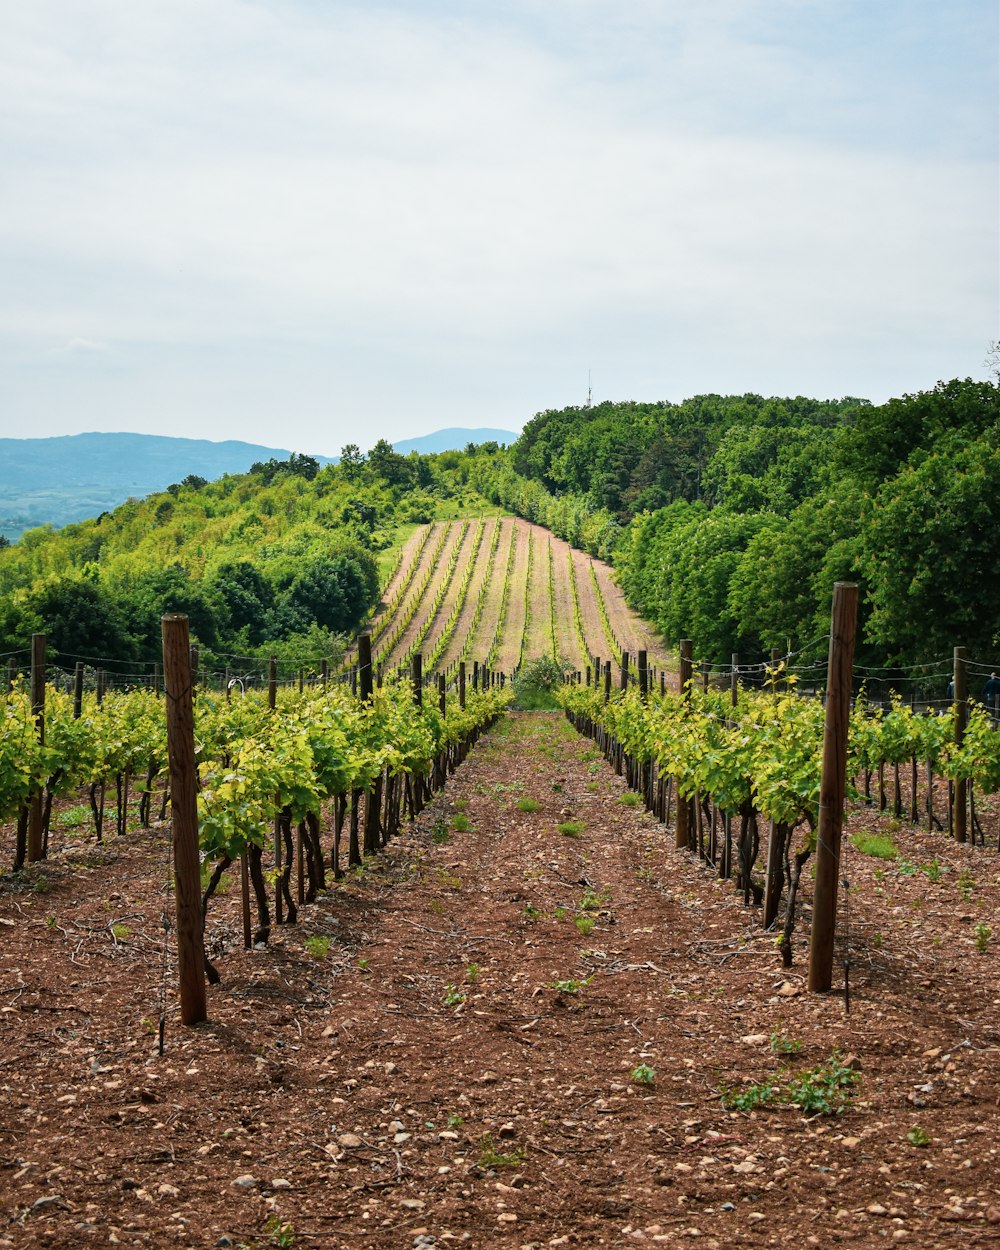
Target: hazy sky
[{"x": 310, "y": 222}]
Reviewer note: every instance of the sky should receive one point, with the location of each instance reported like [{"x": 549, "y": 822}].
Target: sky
[{"x": 306, "y": 223}]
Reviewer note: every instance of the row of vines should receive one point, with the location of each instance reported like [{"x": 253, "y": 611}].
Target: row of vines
[
  {"x": 744, "y": 776},
  {"x": 276, "y": 785}
]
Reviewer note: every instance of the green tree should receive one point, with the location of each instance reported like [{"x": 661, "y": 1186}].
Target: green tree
[{"x": 928, "y": 550}]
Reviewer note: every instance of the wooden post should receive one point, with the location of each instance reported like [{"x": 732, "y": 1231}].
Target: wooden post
[
  {"x": 624, "y": 678},
  {"x": 324, "y": 672},
  {"x": 302, "y": 679},
  {"x": 840, "y": 669},
  {"x": 417, "y": 678},
  {"x": 34, "y": 843},
  {"x": 365, "y": 666},
  {"x": 682, "y": 828},
  {"x": 272, "y": 682},
  {"x": 442, "y": 684},
  {"x": 11, "y": 673},
  {"x": 959, "y": 821},
  {"x": 461, "y": 684},
  {"x": 184, "y": 814},
  {"x": 156, "y": 679},
  {"x": 194, "y": 668},
  {"x": 475, "y": 675},
  {"x": 663, "y": 682},
  {"x": 99, "y": 676},
  {"x": 78, "y": 690},
  {"x": 643, "y": 677},
  {"x": 607, "y": 680},
  {"x": 734, "y": 680}
]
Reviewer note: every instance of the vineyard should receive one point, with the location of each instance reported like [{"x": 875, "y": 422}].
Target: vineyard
[{"x": 493, "y": 977}]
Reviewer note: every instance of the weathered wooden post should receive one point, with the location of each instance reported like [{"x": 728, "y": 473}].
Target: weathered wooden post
[
  {"x": 833, "y": 783},
  {"x": 959, "y": 822},
  {"x": 365, "y": 666},
  {"x": 607, "y": 680},
  {"x": 184, "y": 815},
  {"x": 417, "y": 678},
  {"x": 324, "y": 672},
  {"x": 682, "y": 828},
  {"x": 78, "y": 690},
  {"x": 461, "y": 684},
  {"x": 624, "y": 676},
  {"x": 272, "y": 682},
  {"x": 34, "y": 843},
  {"x": 734, "y": 680},
  {"x": 643, "y": 677}
]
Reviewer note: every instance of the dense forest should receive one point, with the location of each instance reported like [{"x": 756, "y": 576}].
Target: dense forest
[{"x": 728, "y": 518}]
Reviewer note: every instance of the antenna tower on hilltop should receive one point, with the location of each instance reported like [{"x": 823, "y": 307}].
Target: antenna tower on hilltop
[{"x": 590, "y": 393}]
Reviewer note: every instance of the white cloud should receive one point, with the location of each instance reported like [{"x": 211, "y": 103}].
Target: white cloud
[{"x": 450, "y": 189}]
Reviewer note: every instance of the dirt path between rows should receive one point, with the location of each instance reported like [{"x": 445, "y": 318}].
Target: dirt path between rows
[{"x": 516, "y": 1038}]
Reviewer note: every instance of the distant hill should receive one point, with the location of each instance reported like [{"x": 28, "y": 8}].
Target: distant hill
[
  {"x": 453, "y": 440},
  {"x": 55, "y": 481}
]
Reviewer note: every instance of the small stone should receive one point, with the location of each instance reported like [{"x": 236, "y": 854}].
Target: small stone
[
  {"x": 391, "y": 1069},
  {"x": 993, "y": 1215},
  {"x": 246, "y": 1181},
  {"x": 399, "y": 1138},
  {"x": 789, "y": 990},
  {"x": 413, "y": 1204},
  {"x": 507, "y": 1130},
  {"x": 507, "y": 1217},
  {"x": 349, "y": 1141},
  {"x": 168, "y": 1191},
  {"x": 755, "y": 1217},
  {"x": 876, "y": 1208},
  {"x": 754, "y": 1039},
  {"x": 850, "y": 1142},
  {"x": 223, "y": 1242},
  {"x": 280, "y": 1182}
]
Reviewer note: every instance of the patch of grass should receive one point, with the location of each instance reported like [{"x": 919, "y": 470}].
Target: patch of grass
[
  {"x": 452, "y": 996},
  {"x": 918, "y": 1136},
  {"x": 121, "y": 932},
  {"x": 934, "y": 870},
  {"x": 629, "y": 799},
  {"x": 877, "y": 845},
  {"x": 643, "y": 1074},
  {"x": 782, "y": 1044},
  {"x": 571, "y": 828},
  {"x": 73, "y": 817},
  {"x": 585, "y": 925},
  {"x": 461, "y": 823},
  {"x": 472, "y": 972},
  {"x": 449, "y": 880},
  {"x": 983, "y": 935},
  {"x": 528, "y": 805},
  {"x": 317, "y": 944},
  {"x": 966, "y": 882},
  {"x": 571, "y": 985},
  {"x": 825, "y": 1089},
  {"x": 594, "y": 900},
  {"x": 491, "y": 1157}
]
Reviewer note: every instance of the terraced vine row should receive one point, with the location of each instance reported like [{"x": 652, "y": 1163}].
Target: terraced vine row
[{"x": 530, "y": 600}]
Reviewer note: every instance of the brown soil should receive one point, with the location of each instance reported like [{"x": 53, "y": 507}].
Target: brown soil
[
  {"x": 460, "y": 1066},
  {"x": 510, "y": 648}
]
